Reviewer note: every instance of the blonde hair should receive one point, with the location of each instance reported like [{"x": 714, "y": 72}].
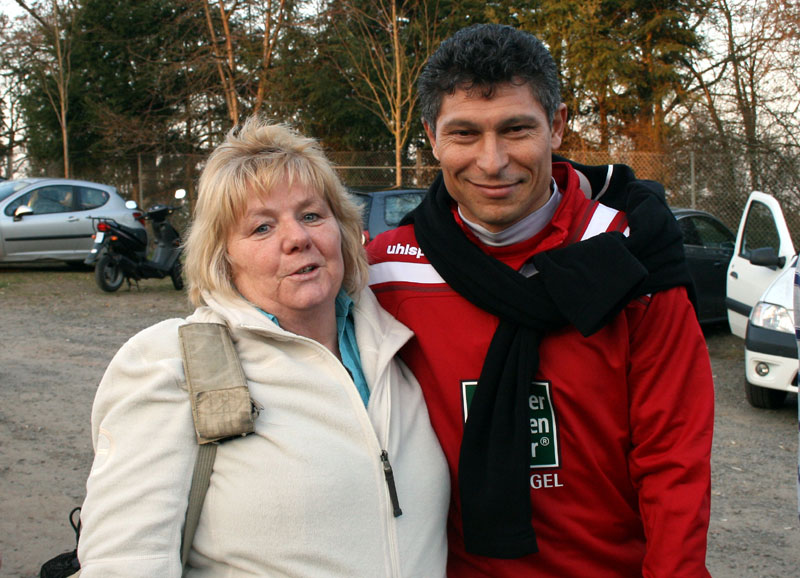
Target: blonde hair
[{"x": 256, "y": 158}]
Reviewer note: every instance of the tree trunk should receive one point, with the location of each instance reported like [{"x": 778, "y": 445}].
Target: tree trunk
[{"x": 397, "y": 108}]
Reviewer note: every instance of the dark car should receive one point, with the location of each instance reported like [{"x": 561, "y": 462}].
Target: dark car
[
  {"x": 708, "y": 245},
  {"x": 384, "y": 209}
]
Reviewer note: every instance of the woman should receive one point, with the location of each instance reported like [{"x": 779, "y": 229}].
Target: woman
[{"x": 274, "y": 253}]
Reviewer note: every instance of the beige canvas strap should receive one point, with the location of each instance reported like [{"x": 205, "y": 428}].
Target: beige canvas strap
[
  {"x": 197, "y": 495},
  {"x": 221, "y": 407}
]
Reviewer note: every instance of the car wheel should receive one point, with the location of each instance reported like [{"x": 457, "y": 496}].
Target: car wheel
[
  {"x": 763, "y": 397},
  {"x": 177, "y": 275},
  {"x": 108, "y": 274}
]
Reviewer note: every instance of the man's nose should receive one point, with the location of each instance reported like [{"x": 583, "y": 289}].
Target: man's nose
[{"x": 493, "y": 156}]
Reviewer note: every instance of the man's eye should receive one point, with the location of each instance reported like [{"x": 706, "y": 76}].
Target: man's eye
[{"x": 519, "y": 130}]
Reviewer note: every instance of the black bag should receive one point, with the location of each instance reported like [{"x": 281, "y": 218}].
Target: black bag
[{"x": 65, "y": 564}]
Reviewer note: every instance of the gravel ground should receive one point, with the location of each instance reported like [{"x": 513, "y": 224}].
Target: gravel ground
[{"x": 60, "y": 331}]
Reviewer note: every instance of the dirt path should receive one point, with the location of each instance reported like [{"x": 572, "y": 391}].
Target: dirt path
[{"x": 59, "y": 331}]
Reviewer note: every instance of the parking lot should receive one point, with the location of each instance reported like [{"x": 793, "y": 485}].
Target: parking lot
[{"x": 60, "y": 331}]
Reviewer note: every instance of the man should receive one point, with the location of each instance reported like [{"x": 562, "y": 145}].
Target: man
[{"x": 564, "y": 370}]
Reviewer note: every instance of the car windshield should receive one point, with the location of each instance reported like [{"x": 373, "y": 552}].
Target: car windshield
[
  {"x": 398, "y": 206},
  {"x": 362, "y": 201},
  {"x": 9, "y": 187}
]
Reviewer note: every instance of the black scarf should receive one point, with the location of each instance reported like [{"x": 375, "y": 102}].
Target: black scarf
[{"x": 585, "y": 285}]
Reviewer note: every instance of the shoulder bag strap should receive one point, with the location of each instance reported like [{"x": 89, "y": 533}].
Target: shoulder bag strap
[{"x": 221, "y": 407}]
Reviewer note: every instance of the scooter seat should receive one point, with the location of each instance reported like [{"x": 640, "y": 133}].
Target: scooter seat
[{"x": 140, "y": 234}]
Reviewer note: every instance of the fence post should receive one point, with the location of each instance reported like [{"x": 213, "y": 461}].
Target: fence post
[
  {"x": 140, "y": 179},
  {"x": 418, "y": 166},
  {"x": 691, "y": 180}
]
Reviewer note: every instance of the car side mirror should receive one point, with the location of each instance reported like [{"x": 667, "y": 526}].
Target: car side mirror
[
  {"x": 767, "y": 257},
  {"x": 21, "y": 211}
]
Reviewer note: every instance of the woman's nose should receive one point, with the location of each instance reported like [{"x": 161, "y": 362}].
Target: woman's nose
[{"x": 295, "y": 236}]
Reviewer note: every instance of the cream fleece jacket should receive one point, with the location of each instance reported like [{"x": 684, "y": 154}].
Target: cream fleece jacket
[{"x": 303, "y": 496}]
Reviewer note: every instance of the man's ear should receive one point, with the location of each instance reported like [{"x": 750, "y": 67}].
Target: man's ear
[
  {"x": 559, "y": 126},
  {"x": 431, "y": 137}
]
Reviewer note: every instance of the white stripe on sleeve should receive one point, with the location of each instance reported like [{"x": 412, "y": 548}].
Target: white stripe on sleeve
[
  {"x": 394, "y": 271},
  {"x": 600, "y": 222}
]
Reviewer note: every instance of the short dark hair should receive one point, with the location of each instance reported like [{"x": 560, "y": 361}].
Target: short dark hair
[{"x": 483, "y": 56}]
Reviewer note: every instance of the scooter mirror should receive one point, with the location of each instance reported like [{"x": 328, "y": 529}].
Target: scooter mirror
[
  {"x": 180, "y": 194},
  {"x": 131, "y": 204}
]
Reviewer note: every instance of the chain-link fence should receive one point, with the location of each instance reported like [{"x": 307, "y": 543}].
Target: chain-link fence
[{"x": 719, "y": 184}]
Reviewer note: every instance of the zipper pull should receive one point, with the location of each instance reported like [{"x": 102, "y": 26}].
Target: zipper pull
[{"x": 387, "y": 471}]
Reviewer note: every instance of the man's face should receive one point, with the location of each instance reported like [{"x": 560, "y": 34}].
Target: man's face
[{"x": 495, "y": 153}]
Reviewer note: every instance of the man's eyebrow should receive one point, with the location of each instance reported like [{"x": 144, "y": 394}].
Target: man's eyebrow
[
  {"x": 463, "y": 123},
  {"x": 520, "y": 119},
  {"x": 459, "y": 123}
]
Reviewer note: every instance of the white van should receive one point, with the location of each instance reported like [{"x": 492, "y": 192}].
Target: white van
[{"x": 760, "y": 301}]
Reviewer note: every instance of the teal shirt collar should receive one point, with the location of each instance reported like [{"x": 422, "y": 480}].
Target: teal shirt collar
[
  {"x": 348, "y": 346},
  {"x": 344, "y": 308}
]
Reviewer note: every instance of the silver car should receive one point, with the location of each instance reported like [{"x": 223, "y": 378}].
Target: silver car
[{"x": 49, "y": 218}]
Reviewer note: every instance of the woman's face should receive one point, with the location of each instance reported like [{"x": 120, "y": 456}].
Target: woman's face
[{"x": 286, "y": 254}]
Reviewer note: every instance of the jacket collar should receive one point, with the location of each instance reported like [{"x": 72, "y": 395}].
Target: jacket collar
[{"x": 379, "y": 335}]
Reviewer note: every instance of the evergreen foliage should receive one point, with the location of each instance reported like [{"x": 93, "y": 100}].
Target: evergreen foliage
[{"x": 153, "y": 82}]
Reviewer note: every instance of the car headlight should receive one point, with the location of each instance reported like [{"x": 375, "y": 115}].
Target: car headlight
[{"x": 771, "y": 316}]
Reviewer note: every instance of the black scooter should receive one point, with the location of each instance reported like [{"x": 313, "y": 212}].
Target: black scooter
[{"x": 120, "y": 252}]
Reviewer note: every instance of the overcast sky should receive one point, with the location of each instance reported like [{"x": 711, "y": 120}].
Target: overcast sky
[{"x": 10, "y": 7}]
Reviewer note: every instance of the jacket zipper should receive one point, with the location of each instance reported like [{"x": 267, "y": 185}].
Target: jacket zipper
[{"x": 389, "y": 475}]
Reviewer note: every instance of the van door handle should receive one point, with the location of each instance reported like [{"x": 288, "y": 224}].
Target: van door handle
[{"x": 734, "y": 274}]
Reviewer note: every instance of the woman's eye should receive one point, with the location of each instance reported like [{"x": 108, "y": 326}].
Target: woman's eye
[
  {"x": 310, "y": 217},
  {"x": 262, "y": 228}
]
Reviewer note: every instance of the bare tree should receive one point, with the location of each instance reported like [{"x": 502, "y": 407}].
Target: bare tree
[
  {"x": 747, "y": 77},
  {"x": 55, "y": 21},
  {"x": 385, "y": 44},
  {"x": 258, "y": 34},
  {"x": 11, "y": 130},
  {"x": 10, "y": 89}
]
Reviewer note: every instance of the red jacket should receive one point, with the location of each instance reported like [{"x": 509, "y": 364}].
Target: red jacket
[{"x": 621, "y": 421}]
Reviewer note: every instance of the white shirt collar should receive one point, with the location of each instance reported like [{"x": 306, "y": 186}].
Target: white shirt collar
[{"x": 522, "y": 230}]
